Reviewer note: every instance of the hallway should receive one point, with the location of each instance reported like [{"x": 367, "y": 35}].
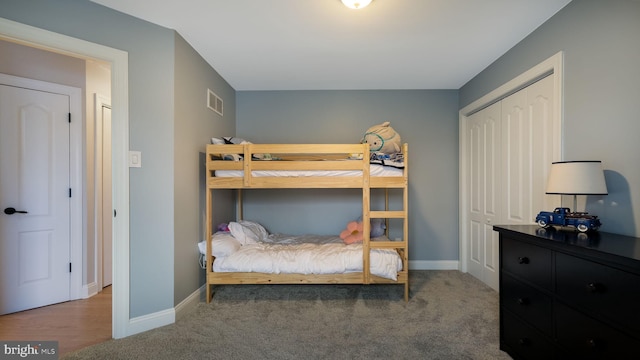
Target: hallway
[{"x": 74, "y": 324}]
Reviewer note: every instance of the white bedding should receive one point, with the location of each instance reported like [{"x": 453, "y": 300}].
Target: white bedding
[
  {"x": 307, "y": 255},
  {"x": 374, "y": 170}
]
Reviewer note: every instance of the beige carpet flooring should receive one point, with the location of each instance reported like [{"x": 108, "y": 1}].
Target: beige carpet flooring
[{"x": 450, "y": 315}]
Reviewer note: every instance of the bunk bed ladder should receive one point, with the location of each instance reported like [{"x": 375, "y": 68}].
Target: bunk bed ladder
[{"x": 401, "y": 245}]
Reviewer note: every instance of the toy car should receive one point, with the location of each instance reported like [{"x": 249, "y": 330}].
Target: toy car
[{"x": 562, "y": 216}]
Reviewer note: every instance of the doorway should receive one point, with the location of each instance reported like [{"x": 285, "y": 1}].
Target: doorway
[
  {"x": 46, "y": 170},
  {"x": 17, "y": 32}
]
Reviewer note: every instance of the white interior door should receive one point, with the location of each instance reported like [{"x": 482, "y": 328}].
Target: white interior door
[
  {"x": 104, "y": 205},
  {"x": 484, "y": 146},
  {"x": 34, "y": 179}
]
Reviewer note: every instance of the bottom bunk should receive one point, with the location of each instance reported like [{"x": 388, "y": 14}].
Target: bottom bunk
[{"x": 247, "y": 254}]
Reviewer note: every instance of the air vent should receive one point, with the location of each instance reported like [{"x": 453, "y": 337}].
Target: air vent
[{"x": 214, "y": 102}]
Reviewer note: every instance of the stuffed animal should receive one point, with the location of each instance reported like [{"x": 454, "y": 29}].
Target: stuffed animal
[
  {"x": 377, "y": 227},
  {"x": 382, "y": 138},
  {"x": 353, "y": 233}
]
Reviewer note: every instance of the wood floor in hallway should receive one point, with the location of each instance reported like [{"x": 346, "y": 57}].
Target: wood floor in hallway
[{"x": 74, "y": 324}]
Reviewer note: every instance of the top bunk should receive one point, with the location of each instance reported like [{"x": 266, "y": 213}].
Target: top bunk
[{"x": 279, "y": 166}]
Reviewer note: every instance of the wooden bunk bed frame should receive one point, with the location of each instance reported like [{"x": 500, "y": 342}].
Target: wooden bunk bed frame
[{"x": 301, "y": 157}]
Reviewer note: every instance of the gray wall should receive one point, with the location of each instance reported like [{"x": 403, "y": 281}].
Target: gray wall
[
  {"x": 194, "y": 125},
  {"x": 426, "y": 119},
  {"x": 602, "y": 77},
  {"x": 32, "y": 63}
]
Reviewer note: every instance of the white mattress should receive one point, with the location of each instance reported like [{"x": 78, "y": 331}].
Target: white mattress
[
  {"x": 374, "y": 170},
  {"x": 326, "y": 255}
]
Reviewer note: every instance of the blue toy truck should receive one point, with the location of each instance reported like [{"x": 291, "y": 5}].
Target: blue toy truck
[{"x": 564, "y": 217}]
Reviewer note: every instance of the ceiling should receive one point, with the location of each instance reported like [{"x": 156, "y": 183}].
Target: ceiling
[{"x": 323, "y": 45}]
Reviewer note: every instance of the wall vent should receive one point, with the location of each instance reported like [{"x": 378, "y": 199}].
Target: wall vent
[{"x": 214, "y": 102}]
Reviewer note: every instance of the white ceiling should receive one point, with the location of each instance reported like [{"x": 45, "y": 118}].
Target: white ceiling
[{"x": 322, "y": 45}]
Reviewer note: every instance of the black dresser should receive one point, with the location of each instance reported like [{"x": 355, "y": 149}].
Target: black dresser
[{"x": 568, "y": 295}]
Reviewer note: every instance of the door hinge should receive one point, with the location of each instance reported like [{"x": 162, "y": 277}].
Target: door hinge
[
  {"x": 69, "y": 117},
  {"x": 69, "y": 192},
  {"x": 69, "y": 267}
]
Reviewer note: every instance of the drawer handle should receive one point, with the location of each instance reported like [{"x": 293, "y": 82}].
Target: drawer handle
[
  {"x": 523, "y": 260},
  {"x": 524, "y": 342},
  {"x": 595, "y": 288},
  {"x": 593, "y": 344},
  {"x": 523, "y": 301}
]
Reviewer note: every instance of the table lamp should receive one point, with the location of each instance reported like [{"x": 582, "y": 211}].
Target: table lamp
[
  {"x": 576, "y": 178},
  {"x": 573, "y": 178}
]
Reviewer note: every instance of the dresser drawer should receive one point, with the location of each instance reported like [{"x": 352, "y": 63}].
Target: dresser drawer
[
  {"x": 602, "y": 290},
  {"x": 522, "y": 341},
  {"x": 590, "y": 339},
  {"x": 530, "y": 304},
  {"x": 529, "y": 262}
]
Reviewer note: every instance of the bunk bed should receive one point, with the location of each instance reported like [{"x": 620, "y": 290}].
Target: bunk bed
[{"x": 291, "y": 166}]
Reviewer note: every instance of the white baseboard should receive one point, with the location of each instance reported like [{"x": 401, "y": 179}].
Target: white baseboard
[
  {"x": 189, "y": 303},
  {"x": 164, "y": 317},
  {"x": 433, "y": 265},
  {"x": 151, "y": 321},
  {"x": 89, "y": 290}
]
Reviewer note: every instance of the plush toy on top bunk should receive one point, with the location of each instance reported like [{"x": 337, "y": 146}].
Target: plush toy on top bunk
[
  {"x": 382, "y": 138},
  {"x": 353, "y": 233},
  {"x": 384, "y": 145}
]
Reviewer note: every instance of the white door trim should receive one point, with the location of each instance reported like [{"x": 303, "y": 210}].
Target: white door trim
[
  {"x": 554, "y": 66},
  {"x": 44, "y": 39}
]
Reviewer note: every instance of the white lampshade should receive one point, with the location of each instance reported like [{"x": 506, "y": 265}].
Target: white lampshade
[
  {"x": 356, "y": 4},
  {"x": 576, "y": 178}
]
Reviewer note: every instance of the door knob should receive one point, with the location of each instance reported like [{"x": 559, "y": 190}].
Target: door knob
[{"x": 11, "y": 211}]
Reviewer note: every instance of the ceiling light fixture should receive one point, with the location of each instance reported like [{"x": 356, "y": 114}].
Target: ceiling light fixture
[{"x": 356, "y": 4}]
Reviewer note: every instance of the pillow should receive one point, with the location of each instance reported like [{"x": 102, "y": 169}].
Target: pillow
[
  {"x": 248, "y": 232},
  {"x": 222, "y": 244},
  {"x": 228, "y": 140},
  {"x": 234, "y": 140}
]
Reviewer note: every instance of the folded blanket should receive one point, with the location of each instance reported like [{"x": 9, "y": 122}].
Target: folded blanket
[{"x": 394, "y": 160}]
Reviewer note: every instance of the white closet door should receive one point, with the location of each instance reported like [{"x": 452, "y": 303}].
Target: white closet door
[
  {"x": 540, "y": 105},
  {"x": 484, "y": 145},
  {"x": 510, "y": 151},
  {"x": 527, "y": 151}
]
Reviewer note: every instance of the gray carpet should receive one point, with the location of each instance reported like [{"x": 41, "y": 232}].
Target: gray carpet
[{"x": 450, "y": 315}]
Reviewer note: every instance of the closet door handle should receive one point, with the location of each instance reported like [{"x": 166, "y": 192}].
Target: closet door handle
[
  {"x": 11, "y": 211},
  {"x": 523, "y": 260}
]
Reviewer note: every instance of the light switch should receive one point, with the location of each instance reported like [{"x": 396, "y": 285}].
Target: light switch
[{"x": 135, "y": 159}]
